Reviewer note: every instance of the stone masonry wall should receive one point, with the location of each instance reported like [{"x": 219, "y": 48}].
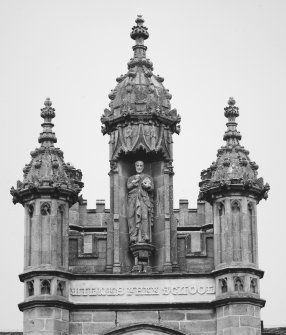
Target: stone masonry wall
[
  {"x": 46, "y": 320},
  {"x": 195, "y": 322},
  {"x": 238, "y": 319}
]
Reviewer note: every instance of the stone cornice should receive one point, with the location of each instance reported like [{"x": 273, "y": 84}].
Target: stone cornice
[
  {"x": 238, "y": 269},
  {"x": 212, "y": 191},
  {"x": 122, "y": 307},
  {"x": 56, "y": 192},
  {"x": 44, "y": 303},
  {"x": 239, "y": 300}
]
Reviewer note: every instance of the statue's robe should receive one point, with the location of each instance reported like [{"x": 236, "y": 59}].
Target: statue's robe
[{"x": 139, "y": 209}]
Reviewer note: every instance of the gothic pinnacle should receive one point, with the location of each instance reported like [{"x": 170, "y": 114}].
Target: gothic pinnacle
[
  {"x": 47, "y": 137},
  {"x": 231, "y": 112}
]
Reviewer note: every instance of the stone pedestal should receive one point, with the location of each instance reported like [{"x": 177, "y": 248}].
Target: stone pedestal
[{"x": 142, "y": 253}]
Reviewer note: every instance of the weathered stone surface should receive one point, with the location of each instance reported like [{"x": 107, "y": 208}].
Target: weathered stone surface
[
  {"x": 137, "y": 316},
  {"x": 189, "y": 327},
  {"x": 57, "y": 325},
  {"x": 172, "y": 315},
  {"x": 75, "y": 328},
  {"x": 102, "y": 316},
  {"x": 249, "y": 321},
  {"x": 97, "y": 327},
  {"x": 171, "y": 324},
  {"x": 80, "y": 316},
  {"x": 227, "y": 322}
]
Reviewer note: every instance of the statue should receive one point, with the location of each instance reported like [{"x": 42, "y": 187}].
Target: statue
[{"x": 140, "y": 205}]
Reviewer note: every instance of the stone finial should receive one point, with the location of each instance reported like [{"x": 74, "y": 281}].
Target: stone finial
[
  {"x": 231, "y": 101},
  {"x": 139, "y": 31},
  {"x": 231, "y": 112},
  {"x": 48, "y": 112},
  {"x": 47, "y": 137}
]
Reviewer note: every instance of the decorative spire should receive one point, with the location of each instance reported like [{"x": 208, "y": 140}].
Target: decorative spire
[
  {"x": 47, "y": 174},
  {"x": 139, "y": 33},
  {"x": 233, "y": 169},
  {"x": 231, "y": 112},
  {"x": 47, "y": 137}
]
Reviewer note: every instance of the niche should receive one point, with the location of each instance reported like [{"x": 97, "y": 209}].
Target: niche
[
  {"x": 238, "y": 284},
  {"x": 61, "y": 288},
  {"x": 30, "y": 288},
  {"x": 45, "y": 209},
  {"x": 223, "y": 285},
  {"x": 253, "y": 285},
  {"x": 45, "y": 285}
]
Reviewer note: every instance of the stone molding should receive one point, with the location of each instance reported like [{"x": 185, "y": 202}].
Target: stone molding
[{"x": 234, "y": 269}]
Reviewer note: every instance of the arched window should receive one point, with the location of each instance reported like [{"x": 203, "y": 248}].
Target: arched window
[{"x": 45, "y": 286}]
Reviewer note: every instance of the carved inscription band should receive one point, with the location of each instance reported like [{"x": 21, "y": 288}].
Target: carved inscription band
[
  {"x": 136, "y": 291},
  {"x": 177, "y": 290}
]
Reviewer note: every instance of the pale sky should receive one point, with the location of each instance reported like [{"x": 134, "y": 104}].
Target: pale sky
[{"x": 207, "y": 51}]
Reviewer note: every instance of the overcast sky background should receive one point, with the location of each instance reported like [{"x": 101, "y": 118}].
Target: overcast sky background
[{"x": 207, "y": 51}]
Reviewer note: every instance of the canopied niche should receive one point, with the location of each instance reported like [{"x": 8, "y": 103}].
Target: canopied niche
[{"x": 158, "y": 197}]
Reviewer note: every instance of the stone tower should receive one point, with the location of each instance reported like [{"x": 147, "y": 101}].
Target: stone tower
[
  {"x": 140, "y": 123},
  {"x": 231, "y": 186},
  {"x": 142, "y": 266},
  {"x": 49, "y": 188}
]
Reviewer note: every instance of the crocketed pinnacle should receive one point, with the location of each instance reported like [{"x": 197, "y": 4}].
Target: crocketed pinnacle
[
  {"x": 139, "y": 94},
  {"x": 233, "y": 169},
  {"x": 47, "y": 173},
  {"x": 47, "y": 137}
]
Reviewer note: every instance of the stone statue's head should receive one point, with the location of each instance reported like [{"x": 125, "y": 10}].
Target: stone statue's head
[{"x": 139, "y": 166}]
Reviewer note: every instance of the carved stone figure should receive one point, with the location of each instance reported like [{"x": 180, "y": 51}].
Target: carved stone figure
[{"x": 140, "y": 205}]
